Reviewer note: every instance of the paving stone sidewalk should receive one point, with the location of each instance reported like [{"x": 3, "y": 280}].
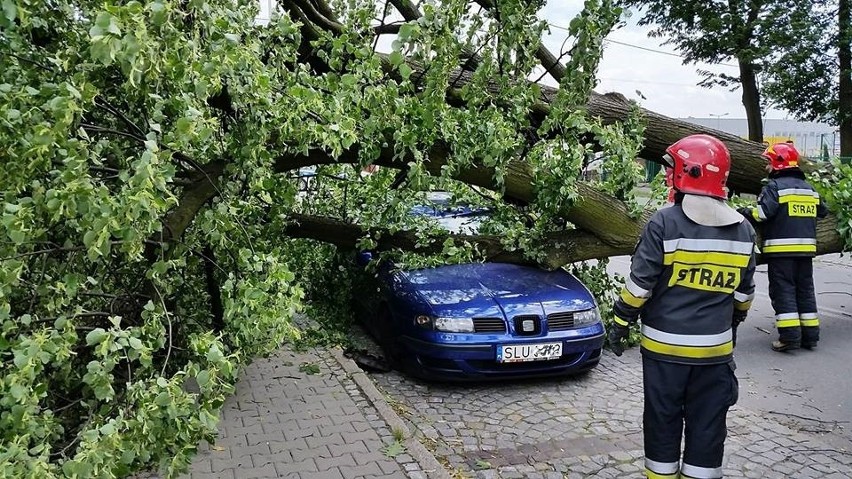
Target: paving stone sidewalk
[
  {"x": 316, "y": 415},
  {"x": 591, "y": 426},
  {"x": 307, "y": 415}
]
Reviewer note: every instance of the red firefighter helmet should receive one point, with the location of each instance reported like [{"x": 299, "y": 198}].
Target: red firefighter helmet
[
  {"x": 782, "y": 156},
  {"x": 700, "y": 165}
]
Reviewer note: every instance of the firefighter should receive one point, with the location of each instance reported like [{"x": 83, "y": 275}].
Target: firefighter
[
  {"x": 788, "y": 208},
  {"x": 691, "y": 278}
]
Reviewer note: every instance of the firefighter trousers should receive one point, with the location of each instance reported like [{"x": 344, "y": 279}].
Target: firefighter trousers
[
  {"x": 791, "y": 290},
  {"x": 691, "y": 401}
]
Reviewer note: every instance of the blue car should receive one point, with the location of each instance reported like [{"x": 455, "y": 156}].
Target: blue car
[{"x": 481, "y": 320}]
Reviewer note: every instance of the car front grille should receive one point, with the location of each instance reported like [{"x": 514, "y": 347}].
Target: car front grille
[
  {"x": 560, "y": 321},
  {"x": 519, "y": 324},
  {"x": 489, "y": 325}
]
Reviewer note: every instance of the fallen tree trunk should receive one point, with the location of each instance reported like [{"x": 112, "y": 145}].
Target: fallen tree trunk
[{"x": 558, "y": 248}]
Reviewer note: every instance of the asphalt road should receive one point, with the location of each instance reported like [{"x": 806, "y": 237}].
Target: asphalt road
[{"x": 809, "y": 386}]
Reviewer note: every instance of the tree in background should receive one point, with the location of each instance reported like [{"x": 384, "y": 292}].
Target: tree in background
[
  {"x": 812, "y": 76},
  {"x": 717, "y": 31}
]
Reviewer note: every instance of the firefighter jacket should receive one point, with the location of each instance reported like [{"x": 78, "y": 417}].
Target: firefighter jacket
[
  {"x": 686, "y": 279},
  {"x": 788, "y": 207}
]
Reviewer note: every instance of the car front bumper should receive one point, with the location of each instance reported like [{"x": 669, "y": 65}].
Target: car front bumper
[{"x": 448, "y": 361}]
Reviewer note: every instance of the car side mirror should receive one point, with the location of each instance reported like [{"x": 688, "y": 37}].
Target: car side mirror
[{"x": 363, "y": 258}]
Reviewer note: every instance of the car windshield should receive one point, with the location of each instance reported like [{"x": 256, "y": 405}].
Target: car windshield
[{"x": 455, "y": 218}]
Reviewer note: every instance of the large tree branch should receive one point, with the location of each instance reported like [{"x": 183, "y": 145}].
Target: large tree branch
[
  {"x": 595, "y": 212},
  {"x": 547, "y": 59},
  {"x": 407, "y": 9},
  {"x": 559, "y": 248},
  {"x": 204, "y": 188}
]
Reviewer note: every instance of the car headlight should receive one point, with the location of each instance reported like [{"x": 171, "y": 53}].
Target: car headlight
[
  {"x": 454, "y": 325},
  {"x": 589, "y": 316}
]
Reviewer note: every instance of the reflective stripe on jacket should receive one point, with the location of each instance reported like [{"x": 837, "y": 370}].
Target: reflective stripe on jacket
[
  {"x": 788, "y": 206},
  {"x": 686, "y": 280}
]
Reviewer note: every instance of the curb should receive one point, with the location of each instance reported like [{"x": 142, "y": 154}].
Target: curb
[{"x": 430, "y": 465}]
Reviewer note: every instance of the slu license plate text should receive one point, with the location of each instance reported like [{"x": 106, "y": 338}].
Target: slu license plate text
[{"x": 529, "y": 352}]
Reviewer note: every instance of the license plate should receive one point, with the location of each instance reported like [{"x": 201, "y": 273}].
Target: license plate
[{"x": 517, "y": 353}]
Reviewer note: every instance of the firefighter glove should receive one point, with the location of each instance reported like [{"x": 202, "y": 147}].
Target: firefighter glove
[
  {"x": 617, "y": 334},
  {"x": 745, "y": 211},
  {"x": 738, "y": 317}
]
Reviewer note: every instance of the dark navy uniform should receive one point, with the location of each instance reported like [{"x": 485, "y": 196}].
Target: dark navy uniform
[
  {"x": 788, "y": 207},
  {"x": 687, "y": 280}
]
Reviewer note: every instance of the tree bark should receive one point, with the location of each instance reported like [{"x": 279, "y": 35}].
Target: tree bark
[
  {"x": 751, "y": 101},
  {"x": 845, "y": 60},
  {"x": 559, "y": 248}
]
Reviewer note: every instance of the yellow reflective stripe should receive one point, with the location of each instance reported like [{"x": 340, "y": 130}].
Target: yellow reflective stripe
[
  {"x": 634, "y": 301},
  {"x": 706, "y": 257},
  {"x": 798, "y": 199},
  {"x": 787, "y": 323},
  {"x": 620, "y": 321},
  {"x": 742, "y": 306},
  {"x": 687, "y": 351},
  {"x": 810, "y": 322},
  {"x": 653, "y": 475},
  {"x": 790, "y": 248}
]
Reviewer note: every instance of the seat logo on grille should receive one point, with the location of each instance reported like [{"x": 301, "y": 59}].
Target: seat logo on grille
[{"x": 528, "y": 325}]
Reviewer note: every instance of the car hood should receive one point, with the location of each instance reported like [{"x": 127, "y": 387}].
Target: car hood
[{"x": 486, "y": 288}]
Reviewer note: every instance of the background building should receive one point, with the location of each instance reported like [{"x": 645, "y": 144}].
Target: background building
[{"x": 814, "y": 140}]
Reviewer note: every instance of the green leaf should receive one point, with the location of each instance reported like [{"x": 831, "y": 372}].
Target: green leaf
[
  {"x": 10, "y": 10},
  {"x": 214, "y": 355},
  {"x": 405, "y": 71},
  {"x": 394, "y": 449},
  {"x": 135, "y": 343},
  {"x": 203, "y": 377},
  {"x": 95, "y": 336},
  {"x": 18, "y": 392},
  {"x": 107, "y": 429},
  {"x": 396, "y": 58},
  {"x": 309, "y": 368},
  {"x": 17, "y": 236},
  {"x": 405, "y": 31},
  {"x": 89, "y": 238},
  {"x": 163, "y": 399}
]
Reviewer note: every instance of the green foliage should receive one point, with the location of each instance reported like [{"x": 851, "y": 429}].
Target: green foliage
[
  {"x": 144, "y": 147},
  {"x": 605, "y": 287},
  {"x": 718, "y": 31},
  {"x": 394, "y": 449},
  {"x": 113, "y": 359},
  {"x": 834, "y": 183},
  {"x": 804, "y": 77}
]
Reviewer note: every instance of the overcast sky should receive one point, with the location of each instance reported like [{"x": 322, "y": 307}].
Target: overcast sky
[{"x": 669, "y": 86}]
